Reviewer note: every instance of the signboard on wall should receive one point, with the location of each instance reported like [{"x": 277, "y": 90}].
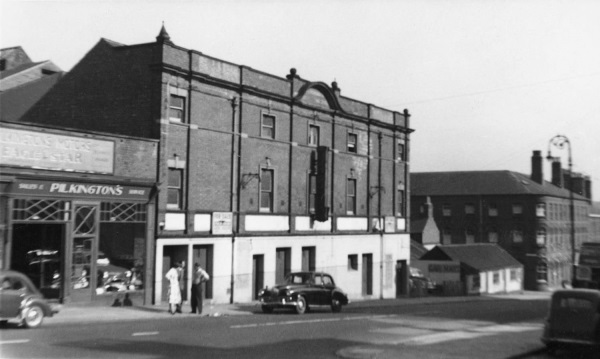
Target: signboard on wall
[
  {"x": 37, "y": 188},
  {"x": 34, "y": 149},
  {"x": 222, "y": 223}
]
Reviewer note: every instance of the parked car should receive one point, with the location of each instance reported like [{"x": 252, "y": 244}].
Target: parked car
[
  {"x": 418, "y": 280},
  {"x": 573, "y": 319},
  {"x": 21, "y": 300},
  {"x": 301, "y": 290}
]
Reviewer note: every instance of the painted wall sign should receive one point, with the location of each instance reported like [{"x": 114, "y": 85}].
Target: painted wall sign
[
  {"x": 33, "y": 149},
  {"x": 79, "y": 190},
  {"x": 444, "y": 268},
  {"x": 589, "y": 255},
  {"x": 222, "y": 223}
]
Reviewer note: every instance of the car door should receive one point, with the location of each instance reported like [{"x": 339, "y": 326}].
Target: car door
[
  {"x": 11, "y": 295},
  {"x": 328, "y": 287}
]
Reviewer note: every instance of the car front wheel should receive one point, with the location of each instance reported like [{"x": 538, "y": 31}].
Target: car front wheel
[
  {"x": 33, "y": 316},
  {"x": 336, "y": 305},
  {"x": 300, "y": 305}
]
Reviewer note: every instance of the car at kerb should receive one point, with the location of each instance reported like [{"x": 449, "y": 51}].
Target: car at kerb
[
  {"x": 301, "y": 291},
  {"x": 21, "y": 300},
  {"x": 573, "y": 319}
]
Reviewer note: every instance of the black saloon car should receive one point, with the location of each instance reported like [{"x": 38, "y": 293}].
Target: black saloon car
[
  {"x": 302, "y": 290},
  {"x": 21, "y": 300}
]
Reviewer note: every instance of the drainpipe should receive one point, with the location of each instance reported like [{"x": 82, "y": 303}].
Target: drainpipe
[
  {"x": 235, "y": 192},
  {"x": 379, "y": 188}
]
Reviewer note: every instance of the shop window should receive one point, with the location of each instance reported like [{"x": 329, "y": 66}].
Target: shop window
[
  {"x": 267, "y": 126},
  {"x": 41, "y": 210},
  {"x": 352, "y": 143},
  {"x": 492, "y": 210},
  {"x": 177, "y": 108},
  {"x": 540, "y": 210},
  {"x": 353, "y": 262},
  {"x": 313, "y": 135},
  {"x": 446, "y": 210},
  {"x": 496, "y": 278},
  {"x": 351, "y": 196},
  {"x": 469, "y": 208},
  {"x": 266, "y": 190},
  {"x": 175, "y": 189}
]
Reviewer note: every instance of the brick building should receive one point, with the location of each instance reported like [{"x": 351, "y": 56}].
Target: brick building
[
  {"x": 258, "y": 175},
  {"x": 527, "y": 216}
]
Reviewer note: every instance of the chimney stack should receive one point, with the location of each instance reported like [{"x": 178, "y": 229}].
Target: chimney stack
[
  {"x": 578, "y": 184},
  {"x": 557, "y": 175},
  {"x": 537, "y": 173}
]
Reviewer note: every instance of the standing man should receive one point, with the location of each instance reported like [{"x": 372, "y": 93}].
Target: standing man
[{"x": 200, "y": 276}]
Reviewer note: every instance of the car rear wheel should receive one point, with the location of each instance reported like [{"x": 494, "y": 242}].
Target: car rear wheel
[
  {"x": 336, "y": 305},
  {"x": 300, "y": 305},
  {"x": 33, "y": 316},
  {"x": 267, "y": 309}
]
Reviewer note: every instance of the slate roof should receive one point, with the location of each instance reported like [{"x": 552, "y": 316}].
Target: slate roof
[
  {"x": 15, "y": 101},
  {"x": 416, "y": 250},
  {"x": 482, "y": 183},
  {"x": 480, "y": 256}
]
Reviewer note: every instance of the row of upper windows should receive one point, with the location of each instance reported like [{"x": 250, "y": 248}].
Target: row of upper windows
[
  {"x": 268, "y": 128},
  {"x": 267, "y": 177},
  {"x": 554, "y": 240},
  {"x": 556, "y": 212}
]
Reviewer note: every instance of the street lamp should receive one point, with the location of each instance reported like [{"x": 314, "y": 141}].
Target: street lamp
[{"x": 560, "y": 141}]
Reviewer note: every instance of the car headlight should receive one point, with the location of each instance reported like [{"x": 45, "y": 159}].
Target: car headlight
[{"x": 261, "y": 292}]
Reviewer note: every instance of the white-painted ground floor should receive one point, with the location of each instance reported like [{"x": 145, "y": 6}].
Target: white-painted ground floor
[{"x": 364, "y": 265}]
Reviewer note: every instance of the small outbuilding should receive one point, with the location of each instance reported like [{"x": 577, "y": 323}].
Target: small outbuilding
[{"x": 481, "y": 268}]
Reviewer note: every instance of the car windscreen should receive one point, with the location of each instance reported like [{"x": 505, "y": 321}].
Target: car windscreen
[
  {"x": 574, "y": 303},
  {"x": 297, "y": 278}
]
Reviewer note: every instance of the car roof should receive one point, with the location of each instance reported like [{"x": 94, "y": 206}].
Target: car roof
[{"x": 308, "y": 272}]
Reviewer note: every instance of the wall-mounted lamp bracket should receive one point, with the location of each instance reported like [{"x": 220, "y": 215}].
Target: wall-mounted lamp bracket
[
  {"x": 374, "y": 190},
  {"x": 248, "y": 177}
]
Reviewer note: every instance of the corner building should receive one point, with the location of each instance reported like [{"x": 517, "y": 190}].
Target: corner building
[{"x": 258, "y": 175}]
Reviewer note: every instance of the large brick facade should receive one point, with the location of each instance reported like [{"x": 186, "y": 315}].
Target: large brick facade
[{"x": 224, "y": 153}]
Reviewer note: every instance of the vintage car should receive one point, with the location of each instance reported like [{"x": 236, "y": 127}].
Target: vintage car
[
  {"x": 302, "y": 290},
  {"x": 21, "y": 300},
  {"x": 573, "y": 319},
  {"x": 417, "y": 281}
]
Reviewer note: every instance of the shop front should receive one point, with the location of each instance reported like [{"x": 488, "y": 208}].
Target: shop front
[{"x": 80, "y": 241}]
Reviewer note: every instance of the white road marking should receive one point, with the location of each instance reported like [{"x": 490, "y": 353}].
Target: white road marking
[
  {"x": 309, "y": 321},
  {"x": 141, "y": 334},
  {"x": 468, "y": 334},
  {"x": 16, "y": 341}
]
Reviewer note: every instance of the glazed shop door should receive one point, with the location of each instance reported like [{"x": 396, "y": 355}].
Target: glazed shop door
[{"x": 84, "y": 249}]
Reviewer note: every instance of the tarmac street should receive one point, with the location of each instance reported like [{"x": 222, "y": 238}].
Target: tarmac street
[{"x": 431, "y": 327}]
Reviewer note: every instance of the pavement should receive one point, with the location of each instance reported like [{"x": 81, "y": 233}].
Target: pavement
[{"x": 70, "y": 313}]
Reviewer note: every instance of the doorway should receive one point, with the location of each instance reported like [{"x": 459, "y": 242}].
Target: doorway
[
  {"x": 401, "y": 278},
  {"x": 203, "y": 255},
  {"x": 171, "y": 255},
  {"x": 282, "y": 264},
  {"x": 367, "y": 274},
  {"x": 258, "y": 274}
]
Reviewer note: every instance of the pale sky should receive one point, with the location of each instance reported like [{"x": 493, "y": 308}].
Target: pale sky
[{"x": 487, "y": 81}]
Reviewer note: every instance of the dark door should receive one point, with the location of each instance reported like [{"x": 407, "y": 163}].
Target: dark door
[
  {"x": 258, "y": 274},
  {"x": 401, "y": 278},
  {"x": 282, "y": 264},
  {"x": 203, "y": 255},
  {"x": 308, "y": 259},
  {"x": 367, "y": 274},
  {"x": 171, "y": 255}
]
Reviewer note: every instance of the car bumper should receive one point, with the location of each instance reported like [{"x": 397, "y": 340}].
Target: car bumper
[
  {"x": 570, "y": 341},
  {"x": 278, "y": 302}
]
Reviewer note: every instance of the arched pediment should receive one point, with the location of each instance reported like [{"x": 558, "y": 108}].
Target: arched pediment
[{"x": 318, "y": 94}]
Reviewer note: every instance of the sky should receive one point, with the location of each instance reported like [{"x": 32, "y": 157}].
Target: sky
[{"x": 486, "y": 82}]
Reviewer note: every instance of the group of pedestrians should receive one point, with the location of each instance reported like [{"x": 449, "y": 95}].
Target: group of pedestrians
[{"x": 177, "y": 286}]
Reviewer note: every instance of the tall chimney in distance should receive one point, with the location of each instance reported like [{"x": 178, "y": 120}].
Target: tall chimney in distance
[
  {"x": 537, "y": 173},
  {"x": 557, "y": 173}
]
